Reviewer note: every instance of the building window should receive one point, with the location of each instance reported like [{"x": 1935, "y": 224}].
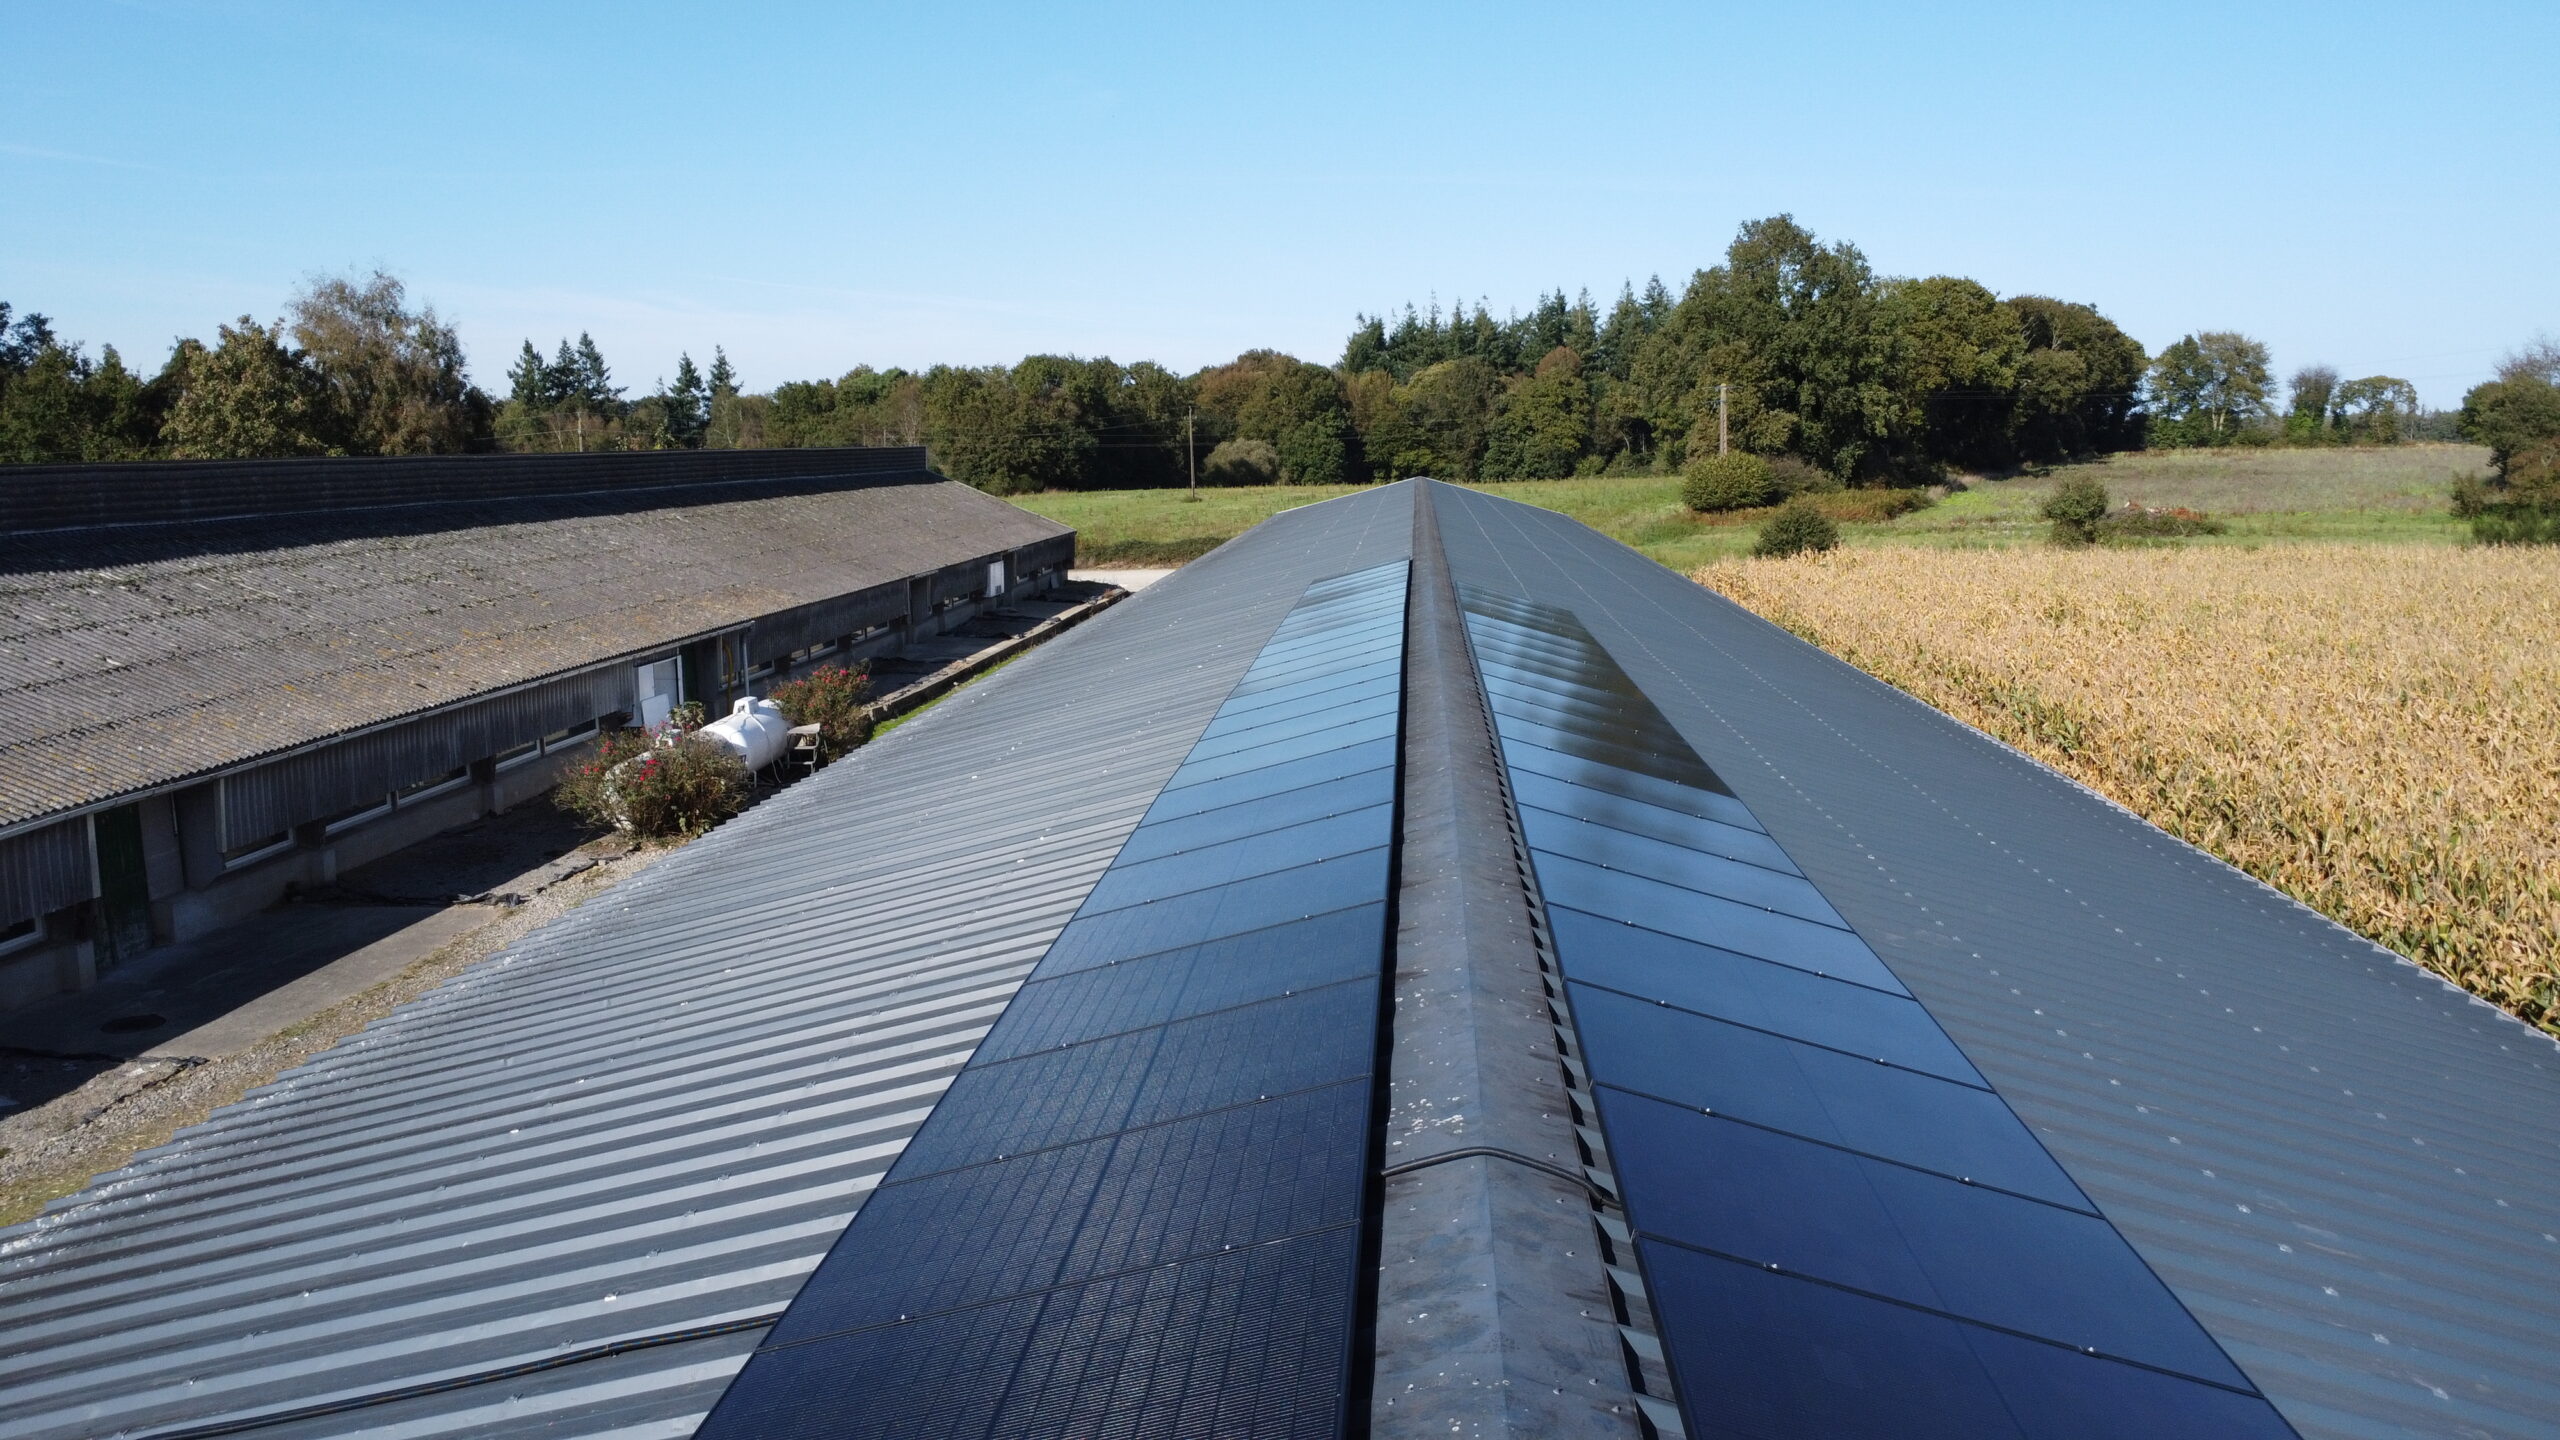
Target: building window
[
  {"x": 428, "y": 789},
  {"x": 251, "y": 853},
  {"x": 25, "y": 933},
  {"x": 349, "y": 819},
  {"x": 516, "y": 755},
  {"x": 559, "y": 740},
  {"x": 814, "y": 652},
  {"x": 658, "y": 684}
]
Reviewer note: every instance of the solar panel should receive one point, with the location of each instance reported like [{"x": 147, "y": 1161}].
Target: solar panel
[
  {"x": 1843, "y": 1229},
  {"x": 1769, "y": 1355},
  {"x": 1777, "y": 999},
  {"x": 1137, "y": 1209}
]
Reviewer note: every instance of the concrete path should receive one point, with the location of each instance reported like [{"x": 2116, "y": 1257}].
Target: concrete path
[
  {"x": 230, "y": 990},
  {"x": 234, "y": 988},
  {"x": 1132, "y": 581}
]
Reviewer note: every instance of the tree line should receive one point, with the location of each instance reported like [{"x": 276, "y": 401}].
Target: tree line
[
  {"x": 1790, "y": 347},
  {"x": 349, "y": 370}
]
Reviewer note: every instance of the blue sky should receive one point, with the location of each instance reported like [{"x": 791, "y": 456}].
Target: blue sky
[{"x": 816, "y": 186}]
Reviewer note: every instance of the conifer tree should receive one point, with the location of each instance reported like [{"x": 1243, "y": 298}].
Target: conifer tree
[
  {"x": 530, "y": 378},
  {"x": 561, "y": 378},
  {"x": 595, "y": 387},
  {"x": 684, "y": 406}
]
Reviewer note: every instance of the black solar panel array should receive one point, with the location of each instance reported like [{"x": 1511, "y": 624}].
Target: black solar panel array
[
  {"x": 1137, "y": 1212},
  {"x": 1843, "y": 1230}
]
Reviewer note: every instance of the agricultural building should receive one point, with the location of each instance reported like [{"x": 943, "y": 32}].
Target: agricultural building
[
  {"x": 223, "y": 679},
  {"x": 1420, "y": 970}
]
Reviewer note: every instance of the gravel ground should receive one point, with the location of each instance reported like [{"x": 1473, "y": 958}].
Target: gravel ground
[{"x": 53, "y": 1149}]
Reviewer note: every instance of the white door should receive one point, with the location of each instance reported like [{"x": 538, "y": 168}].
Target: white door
[{"x": 657, "y": 685}]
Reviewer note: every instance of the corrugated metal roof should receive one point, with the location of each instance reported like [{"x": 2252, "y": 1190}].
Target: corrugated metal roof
[
  {"x": 660, "y": 1111},
  {"x": 137, "y": 656},
  {"x": 2346, "y": 1168}
]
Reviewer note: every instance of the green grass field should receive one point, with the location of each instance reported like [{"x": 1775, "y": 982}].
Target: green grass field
[{"x": 2389, "y": 496}]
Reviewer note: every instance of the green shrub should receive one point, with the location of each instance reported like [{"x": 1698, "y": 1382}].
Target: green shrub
[
  {"x": 2075, "y": 507},
  {"x": 2533, "y": 475},
  {"x": 1242, "y": 462},
  {"x": 833, "y": 698},
  {"x": 656, "y": 786},
  {"x": 1869, "y": 506},
  {"x": 1733, "y": 481},
  {"x": 1793, "y": 475},
  {"x": 2471, "y": 495},
  {"x": 2516, "y": 525},
  {"x": 1798, "y": 528}
]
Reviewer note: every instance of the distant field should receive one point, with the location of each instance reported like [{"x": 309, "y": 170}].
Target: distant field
[
  {"x": 2390, "y": 496},
  {"x": 2372, "y": 729},
  {"x": 2398, "y": 494}
]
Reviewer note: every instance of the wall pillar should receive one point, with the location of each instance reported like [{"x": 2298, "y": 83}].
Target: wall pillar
[
  {"x": 200, "y": 833},
  {"x": 484, "y": 784},
  {"x": 321, "y": 864}
]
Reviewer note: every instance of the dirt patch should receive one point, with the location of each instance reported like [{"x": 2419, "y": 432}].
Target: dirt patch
[{"x": 53, "y": 1148}]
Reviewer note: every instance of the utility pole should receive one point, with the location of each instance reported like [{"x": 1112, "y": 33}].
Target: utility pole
[
  {"x": 1723, "y": 442},
  {"x": 1191, "y": 447}
]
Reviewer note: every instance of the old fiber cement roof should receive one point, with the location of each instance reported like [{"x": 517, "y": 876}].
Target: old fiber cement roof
[
  {"x": 660, "y": 1111},
  {"x": 2348, "y": 1170},
  {"x": 133, "y": 656}
]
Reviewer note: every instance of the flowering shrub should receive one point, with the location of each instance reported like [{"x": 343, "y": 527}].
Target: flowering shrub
[
  {"x": 656, "y": 783},
  {"x": 834, "y": 699},
  {"x": 2136, "y": 521}
]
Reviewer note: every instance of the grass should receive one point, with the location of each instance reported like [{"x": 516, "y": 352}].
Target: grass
[
  {"x": 1149, "y": 528},
  {"x": 2388, "y": 495},
  {"x": 2269, "y": 496},
  {"x": 2374, "y": 730}
]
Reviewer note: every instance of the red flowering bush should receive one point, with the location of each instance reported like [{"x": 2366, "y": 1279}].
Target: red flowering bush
[
  {"x": 833, "y": 698},
  {"x": 656, "y": 784}
]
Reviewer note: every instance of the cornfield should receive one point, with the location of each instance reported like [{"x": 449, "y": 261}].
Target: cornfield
[{"x": 2373, "y": 730}]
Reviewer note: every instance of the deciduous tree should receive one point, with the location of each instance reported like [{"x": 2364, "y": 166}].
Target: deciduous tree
[
  {"x": 392, "y": 377},
  {"x": 2207, "y": 386},
  {"x": 2376, "y": 410},
  {"x": 249, "y": 397}
]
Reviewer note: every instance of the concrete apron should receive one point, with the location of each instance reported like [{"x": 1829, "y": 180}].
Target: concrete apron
[{"x": 235, "y": 988}]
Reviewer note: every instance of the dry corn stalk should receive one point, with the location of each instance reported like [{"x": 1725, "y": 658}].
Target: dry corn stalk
[{"x": 2373, "y": 730}]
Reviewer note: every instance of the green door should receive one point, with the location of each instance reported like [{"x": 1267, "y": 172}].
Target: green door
[{"x": 124, "y": 886}]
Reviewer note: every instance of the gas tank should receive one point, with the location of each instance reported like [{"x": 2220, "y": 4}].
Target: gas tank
[{"x": 753, "y": 730}]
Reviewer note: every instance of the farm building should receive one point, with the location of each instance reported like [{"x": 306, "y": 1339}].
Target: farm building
[
  {"x": 223, "y": 679},
  {"x": 1421, "y": 969}
]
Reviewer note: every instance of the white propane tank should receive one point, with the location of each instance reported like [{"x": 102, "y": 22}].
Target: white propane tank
[{"x": 754, "y": 731}]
